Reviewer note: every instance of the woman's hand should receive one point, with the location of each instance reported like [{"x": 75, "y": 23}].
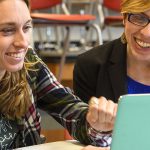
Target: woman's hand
[
  {"x": 95, "y": 148},
  {"x": 101, "y": 114}
]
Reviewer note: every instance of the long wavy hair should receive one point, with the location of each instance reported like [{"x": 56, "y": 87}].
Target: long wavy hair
[{"x": 15, "y": 94}]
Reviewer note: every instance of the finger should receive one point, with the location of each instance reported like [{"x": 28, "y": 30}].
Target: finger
[
  {"x": 115, "y": 112},
  {"x": 93, "y": 109},
  {"x": 109, "y": 111},
  {"x": 102, "y": 109},
  {"x": 94, "y": 101}
]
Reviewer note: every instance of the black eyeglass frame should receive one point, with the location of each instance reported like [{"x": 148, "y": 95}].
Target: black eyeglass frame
[{"x": 141, "y": 15}]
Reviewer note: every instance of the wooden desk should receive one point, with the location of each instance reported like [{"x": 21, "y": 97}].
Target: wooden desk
[{"x": 61, "y": 145}]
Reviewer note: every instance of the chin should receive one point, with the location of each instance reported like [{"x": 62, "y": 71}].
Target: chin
[{"x": 15, "y": 68}]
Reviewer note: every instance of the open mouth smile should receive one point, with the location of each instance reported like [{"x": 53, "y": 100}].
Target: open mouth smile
[
  {"x": 142, "y": 43},
  {"x": 15, "y": 55}
]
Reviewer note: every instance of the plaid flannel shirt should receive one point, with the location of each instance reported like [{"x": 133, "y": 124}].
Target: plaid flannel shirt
[{"x": 59, "y": 102}]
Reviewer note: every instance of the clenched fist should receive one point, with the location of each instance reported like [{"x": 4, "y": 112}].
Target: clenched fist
[{"x": 101, "y": 114}]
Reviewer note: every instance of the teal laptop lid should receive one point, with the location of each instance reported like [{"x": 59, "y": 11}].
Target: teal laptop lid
[{"x": 132, "y": 124}]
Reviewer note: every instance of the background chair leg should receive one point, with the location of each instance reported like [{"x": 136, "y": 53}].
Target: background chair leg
[
  {"x": 99, "y": 33},
  {"x": 64, "y": 54}
]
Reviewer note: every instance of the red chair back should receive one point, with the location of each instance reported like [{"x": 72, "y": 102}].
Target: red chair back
[
  {"x": 43, "y": 4},
  {"x": 112, "y": 4}
]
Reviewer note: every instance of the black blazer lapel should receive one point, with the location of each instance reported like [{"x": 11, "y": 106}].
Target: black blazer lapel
[
  {"x": 117, "y": 70},
  {"x": 117, "y": 79}
]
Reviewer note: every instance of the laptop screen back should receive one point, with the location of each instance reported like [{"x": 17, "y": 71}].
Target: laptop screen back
[{"x": 132, "y": 124}]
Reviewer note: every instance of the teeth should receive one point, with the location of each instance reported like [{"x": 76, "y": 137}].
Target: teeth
[
  {"x": 18, "y": 55},
  {"x": 143, "y": 44}
]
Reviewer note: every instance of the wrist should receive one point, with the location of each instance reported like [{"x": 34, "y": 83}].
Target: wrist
[
  {"x": 99, "y": 138},
  {"x": 97, "y": 133},
  {"x": 91, "y": 129}
]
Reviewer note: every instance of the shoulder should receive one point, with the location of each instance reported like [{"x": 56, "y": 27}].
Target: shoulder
[
  {"x": 34, "y": 64},
  {"x": 32, "y": 56},
  {"x": 33, "y": 60}
]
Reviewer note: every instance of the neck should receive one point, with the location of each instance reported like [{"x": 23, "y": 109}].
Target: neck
[{"x": 139, "y": 71}]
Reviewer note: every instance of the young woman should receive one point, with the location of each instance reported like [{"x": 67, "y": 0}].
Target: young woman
[
  {"x": 121, "y": 66},
  {"x": 26, "y": 83}
]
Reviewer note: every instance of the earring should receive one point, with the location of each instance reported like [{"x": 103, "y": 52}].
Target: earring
[{"x": 123, "y": 38}]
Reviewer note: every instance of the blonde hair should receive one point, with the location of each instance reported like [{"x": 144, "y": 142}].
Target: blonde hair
[
  {"x": 15, "y": 92},
  {"x": 135, "y": 6},
  {"x": 15, "y": 96}
]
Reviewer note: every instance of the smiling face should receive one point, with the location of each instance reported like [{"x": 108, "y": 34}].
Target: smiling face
[
  {"x": 15, "y": 33},
  {"x": 138, "y": 39}
]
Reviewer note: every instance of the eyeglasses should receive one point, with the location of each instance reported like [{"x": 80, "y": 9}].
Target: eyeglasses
[{"x": 138, "y": 19}]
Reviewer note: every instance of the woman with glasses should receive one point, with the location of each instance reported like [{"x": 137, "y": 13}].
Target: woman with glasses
[{"x": 118, "y": 67}]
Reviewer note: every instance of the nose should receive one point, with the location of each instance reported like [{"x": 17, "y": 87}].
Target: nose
[
  {"x": 146, "y": 31},
  {"x": 21, "y": 40}
]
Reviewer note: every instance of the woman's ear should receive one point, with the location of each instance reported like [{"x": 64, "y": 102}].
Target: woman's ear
[{"x": 123, "y": 21}]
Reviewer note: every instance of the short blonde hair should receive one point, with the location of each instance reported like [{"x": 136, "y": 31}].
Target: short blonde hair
[{"x": 135, "y": 6}]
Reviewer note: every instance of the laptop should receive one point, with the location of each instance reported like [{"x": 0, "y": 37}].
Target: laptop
[{"x": 132, "y": 124}]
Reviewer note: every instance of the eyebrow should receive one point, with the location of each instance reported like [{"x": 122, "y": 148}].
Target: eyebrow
[{"x": 13, "y": 23}]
